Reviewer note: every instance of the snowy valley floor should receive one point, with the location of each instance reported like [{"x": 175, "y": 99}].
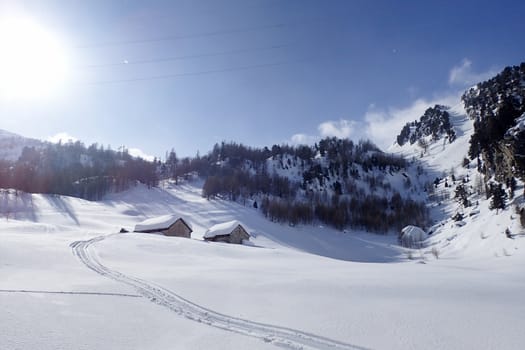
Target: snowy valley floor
[{"x": 308, "y": 286}]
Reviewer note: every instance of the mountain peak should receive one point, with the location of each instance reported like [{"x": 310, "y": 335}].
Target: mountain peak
[{"x": 435, "y": 122}]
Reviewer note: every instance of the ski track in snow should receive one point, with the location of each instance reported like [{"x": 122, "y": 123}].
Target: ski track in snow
[
  {"x": 280, "y": 336},
  {"x": 68, "y": 292}
]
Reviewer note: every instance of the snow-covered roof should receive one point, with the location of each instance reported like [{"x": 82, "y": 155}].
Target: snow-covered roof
[
  {"x": 158, "y": 223},
  {"x": 222, "y": 229}
]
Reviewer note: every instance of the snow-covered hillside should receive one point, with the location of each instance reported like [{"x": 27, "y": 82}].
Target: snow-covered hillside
[
  {"x": 336, "y": 182},
  {"x": 478, "y": 232},
  {"x": 68, "y": 280},
  {"x": 12, "y": 145},
  {"x": 360, "y": 179}
]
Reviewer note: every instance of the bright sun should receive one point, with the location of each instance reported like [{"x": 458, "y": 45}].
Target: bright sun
[{"x": 32, "y": 62}]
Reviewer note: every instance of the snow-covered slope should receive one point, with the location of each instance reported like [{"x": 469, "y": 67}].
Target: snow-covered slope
[
  {"x": 481, "y": 233},
  {"x": 12, "y": 145},
  {"x": 441, "y": 155},
  {"x": 145, "y": 291}
]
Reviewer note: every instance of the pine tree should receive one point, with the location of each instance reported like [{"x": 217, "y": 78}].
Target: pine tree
[
  {"x": 511, "y": 185},
  {"x": 461, "y": 195},
  {"x": 171, "y": 163},
  {"x": 499, "y": 197}
]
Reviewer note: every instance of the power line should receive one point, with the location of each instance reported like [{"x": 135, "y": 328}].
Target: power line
[
  {"x": 176, "y": 75},
  {"x": 185, "y": 57},
  {"x": 179, "y": 37}
]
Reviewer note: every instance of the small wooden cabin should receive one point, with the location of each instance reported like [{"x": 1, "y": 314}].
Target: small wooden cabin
[
  {"x": 169, "y": 225},
  {"x": 228, "y": 232}
]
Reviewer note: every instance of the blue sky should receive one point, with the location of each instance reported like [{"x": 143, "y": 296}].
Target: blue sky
[{"x": 258, "y": 72}]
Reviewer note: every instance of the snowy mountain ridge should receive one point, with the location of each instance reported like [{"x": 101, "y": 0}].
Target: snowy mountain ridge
[
  {"x": 435, "y": 122},
  {"x": 496, "y": 106},
  {"x": 12, "y": 145}
]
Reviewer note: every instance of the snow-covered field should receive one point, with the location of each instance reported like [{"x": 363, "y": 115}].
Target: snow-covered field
[{"x": 67, "y": 281}]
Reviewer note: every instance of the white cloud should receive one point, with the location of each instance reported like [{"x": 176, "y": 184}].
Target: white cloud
[
  {"x": 462, "y": 75},
  {"x": 382, "y": 125},
  {"x": 303, "y": 139},
  {"x": 63, "y": 137},
  {"x": 330, "y": 128},
  {"x": 137, "y": 152},
  {"x": 340, "y": 129}
]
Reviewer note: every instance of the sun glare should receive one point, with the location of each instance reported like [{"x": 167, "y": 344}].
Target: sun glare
[{"x": 33, "y": 64}]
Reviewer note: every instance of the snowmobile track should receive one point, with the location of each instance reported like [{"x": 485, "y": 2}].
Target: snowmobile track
[{"x": 280, "y": 336}]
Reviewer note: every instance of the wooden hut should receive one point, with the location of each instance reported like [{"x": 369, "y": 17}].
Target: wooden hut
[
  {"x": 229, "y": 232},
  {"x": 169, "y": 225}
]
